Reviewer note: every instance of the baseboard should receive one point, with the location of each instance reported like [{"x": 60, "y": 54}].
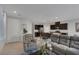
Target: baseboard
[{"x": 9, "y": 42}]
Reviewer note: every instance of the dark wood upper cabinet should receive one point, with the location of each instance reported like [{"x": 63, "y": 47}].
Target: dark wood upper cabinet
[
  {"x": 37, "y": 27},
  {"x": 63, "y": 26},
  {"x": 52, "y": 27},
  {"x": 37, "y": 34},
  {"x": 57, "y": 23}
]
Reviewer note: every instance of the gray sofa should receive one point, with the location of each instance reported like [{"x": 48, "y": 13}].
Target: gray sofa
[
  {"x": 75, "y": 42},
  {"x": 65, "y": 45},
  {"x": 55, "y": 38}
]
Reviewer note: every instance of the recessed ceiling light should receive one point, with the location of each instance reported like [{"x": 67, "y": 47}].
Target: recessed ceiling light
[{"x": 14, "y": 11}]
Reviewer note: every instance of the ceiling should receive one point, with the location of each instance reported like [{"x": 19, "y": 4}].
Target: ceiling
[{"x": 43, "y": 12}]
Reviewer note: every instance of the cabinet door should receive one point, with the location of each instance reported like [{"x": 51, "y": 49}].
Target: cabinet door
[
  {"x": 63, "y": 26},
  {"x": 37, "y": 27},
  {"x": 52, "y": 27},
  {"x": 37, "y": 34}
]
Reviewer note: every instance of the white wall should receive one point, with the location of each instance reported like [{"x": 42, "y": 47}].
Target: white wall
[
  {"x": 47, "y": 28},
  {"x": 13, "y": 29},
  {"x": 28, "y": 25},
  {"x": 2, "y": 29},
  {"x": 72, "y": 28}
]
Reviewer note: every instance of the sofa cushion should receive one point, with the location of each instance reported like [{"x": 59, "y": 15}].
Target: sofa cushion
[
  {"x": 64, "y": 50},
  {"x": 55, "y": 38},
  {"x": 59, "y": 48},
  {"x": 72, "y": 51},
  {"x": 64, "y": 40},
  {"x": 74, "y": 42}
]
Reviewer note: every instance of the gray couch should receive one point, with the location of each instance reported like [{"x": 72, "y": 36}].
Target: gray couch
[
  {"x": 65, "y": 45},
  {"x": 75, "y": 42},
  {"x": 55, "y": 38}
]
